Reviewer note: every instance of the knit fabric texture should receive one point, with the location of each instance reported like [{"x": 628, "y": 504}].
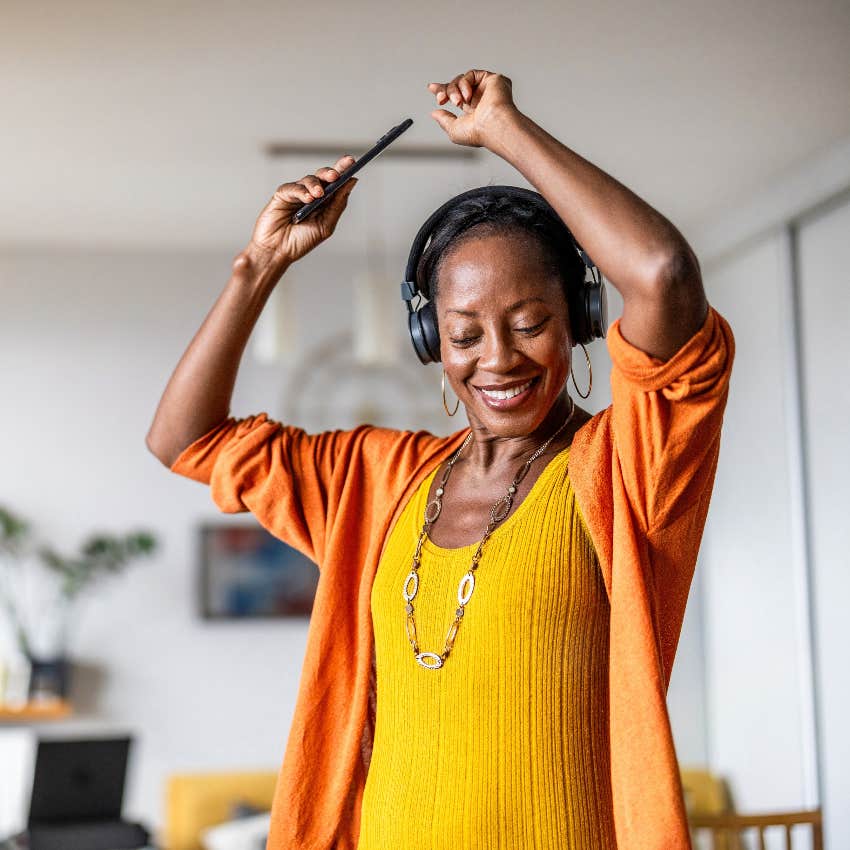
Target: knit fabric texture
[
  {"x": 506, "y": 745},
  {"x": 642, "y": 470}
]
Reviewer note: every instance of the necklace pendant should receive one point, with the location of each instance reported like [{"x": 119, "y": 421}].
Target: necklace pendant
[
  {"x": 465, "y": 588},
  {"x": 502, "y": 508},
  {"x": 407, "y": 592},
  {"x": 430, "y": 660},
  {"x": 498, "y": 512},
  {"x": 432, "y": 510}
]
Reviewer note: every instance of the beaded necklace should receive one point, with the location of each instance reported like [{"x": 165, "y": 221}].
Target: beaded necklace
[{"x": 499, "y": 511}]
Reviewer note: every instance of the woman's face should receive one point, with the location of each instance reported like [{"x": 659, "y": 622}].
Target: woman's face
[{"x": 504, "y": 332}]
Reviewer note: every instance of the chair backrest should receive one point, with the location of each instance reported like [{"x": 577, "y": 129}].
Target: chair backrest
[
  {"x": 732, "y": 827},
  {"x": 705, "y": 792}
]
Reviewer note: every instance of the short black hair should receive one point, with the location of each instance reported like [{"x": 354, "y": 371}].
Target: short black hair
[{"x": 486, "y": 214}]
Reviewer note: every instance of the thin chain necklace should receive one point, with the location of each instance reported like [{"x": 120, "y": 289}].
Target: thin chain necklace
[{"x": 499, "y": 511}]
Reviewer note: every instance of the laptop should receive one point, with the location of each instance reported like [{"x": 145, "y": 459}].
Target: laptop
[
  {"x": 78, "y": 794},
  {"x": 79, "y": 780}
]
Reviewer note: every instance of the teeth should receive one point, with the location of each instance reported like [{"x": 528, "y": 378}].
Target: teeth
[{"x": 502, "y": 394}]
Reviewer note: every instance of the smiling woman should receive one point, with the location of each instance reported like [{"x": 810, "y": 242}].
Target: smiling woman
[
  {"x": 502, "y": 274},
  {"x": 538, "y": 718}
]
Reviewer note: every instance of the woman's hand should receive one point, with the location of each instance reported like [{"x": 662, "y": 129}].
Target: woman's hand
[
  {"x": 484, "y": 97},
  {"x": 276, "y": 242}
]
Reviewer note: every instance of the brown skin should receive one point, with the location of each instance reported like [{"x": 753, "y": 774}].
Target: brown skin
[
  {"x": 486, "y": 340},
  {"x": 638, "y": 250},
  {"x": 197, "y": 396}
]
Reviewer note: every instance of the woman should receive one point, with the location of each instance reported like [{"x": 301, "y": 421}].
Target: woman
[{"x": 542, "y": 720}]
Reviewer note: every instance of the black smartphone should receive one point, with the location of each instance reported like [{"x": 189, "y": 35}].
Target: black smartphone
[{"x": 388, "y": 138}]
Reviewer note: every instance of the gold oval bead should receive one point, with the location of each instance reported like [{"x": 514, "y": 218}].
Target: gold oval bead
[
  {"x": 406, "y": 592},
  {"x": 432, "y": 511},
  {"x": 465, "y": 588},
  {"x": 437, "y": 660},
  {"x": 501, "y": 509}
]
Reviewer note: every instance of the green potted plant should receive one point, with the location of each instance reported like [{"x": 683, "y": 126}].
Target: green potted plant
[{"x": 41, "y": 630}]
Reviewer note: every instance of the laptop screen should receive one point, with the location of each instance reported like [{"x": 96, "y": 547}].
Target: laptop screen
[{"x": 78, "y": 780}]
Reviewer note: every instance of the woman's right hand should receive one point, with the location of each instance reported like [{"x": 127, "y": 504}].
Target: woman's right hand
[{"x": 276, "y": 242}]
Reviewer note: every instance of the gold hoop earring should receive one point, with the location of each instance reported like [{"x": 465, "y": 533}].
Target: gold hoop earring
[
  {"x": 445, "y": 406},
  {"x": 589, "y": 372}
]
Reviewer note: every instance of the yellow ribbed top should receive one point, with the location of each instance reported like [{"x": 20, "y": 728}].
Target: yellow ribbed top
[{"x": 506, "y": 745}]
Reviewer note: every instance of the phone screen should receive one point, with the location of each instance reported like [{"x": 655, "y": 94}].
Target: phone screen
[{"x": 388, "y": 138}]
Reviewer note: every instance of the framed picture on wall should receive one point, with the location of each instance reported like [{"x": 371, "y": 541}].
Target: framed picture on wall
[{"x": 247, "y": 573}]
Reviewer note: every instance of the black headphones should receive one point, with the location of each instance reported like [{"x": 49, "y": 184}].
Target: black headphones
[{"x": 588, "y": 303}]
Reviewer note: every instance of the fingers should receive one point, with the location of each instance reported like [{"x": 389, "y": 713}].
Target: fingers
[
  {"x": 440, "y": 92},
  {"x": 453, "y": 93},
  {"x": 333, "y": 210},
  {"x": 459, "y": 90},
  {"x": 305, "y": 190},
  {"x": 314, "y": 184},
  {"x": 291, "y": 192}
]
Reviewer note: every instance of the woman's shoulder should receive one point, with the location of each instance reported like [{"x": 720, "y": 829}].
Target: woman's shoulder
[
  {"x": 398, "y": 454},
  {"x": 593, "y": 433},
  {"x": 388, "y": 438}
]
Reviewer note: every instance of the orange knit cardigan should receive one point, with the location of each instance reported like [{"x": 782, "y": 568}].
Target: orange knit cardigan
[{"x": 642, "y": 471}]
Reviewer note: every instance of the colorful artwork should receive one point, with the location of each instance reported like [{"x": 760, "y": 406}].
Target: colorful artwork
[{"x": 247, "y": 572}]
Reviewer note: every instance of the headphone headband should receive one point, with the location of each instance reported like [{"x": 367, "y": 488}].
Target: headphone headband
[{"x": 588, "y": 312}]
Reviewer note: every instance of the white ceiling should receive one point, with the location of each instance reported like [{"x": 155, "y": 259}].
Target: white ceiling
[{"x": 142, "y": 123}]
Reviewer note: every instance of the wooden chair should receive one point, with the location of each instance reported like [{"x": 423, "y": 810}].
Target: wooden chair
[
  {"x": 706, "y": 793},
  {"x": 730, "y": 828}
]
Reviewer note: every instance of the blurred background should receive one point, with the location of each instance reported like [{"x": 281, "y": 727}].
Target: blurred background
[{"x": 139, "y": 143}]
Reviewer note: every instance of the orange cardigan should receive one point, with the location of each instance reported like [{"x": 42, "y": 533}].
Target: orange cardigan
[{"x": 642, "y": 471}]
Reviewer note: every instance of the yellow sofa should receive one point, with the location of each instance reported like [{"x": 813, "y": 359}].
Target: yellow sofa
[{"x": 195, "y": 801}]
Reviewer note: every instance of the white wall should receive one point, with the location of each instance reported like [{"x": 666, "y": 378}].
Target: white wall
[
  {"x": 144, "y": 123},
  {"x": 89, "y": 342},
  {"x": 751, "y": 647},
  {"x": 825, "y": 315},
  {"x": 775, "y": 552}
]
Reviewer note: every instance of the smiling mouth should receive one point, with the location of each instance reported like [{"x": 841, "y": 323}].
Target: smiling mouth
[{"x": 508, "y": 392}]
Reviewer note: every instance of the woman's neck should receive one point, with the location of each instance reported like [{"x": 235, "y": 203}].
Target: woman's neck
[{"x": 488, "y": 452}]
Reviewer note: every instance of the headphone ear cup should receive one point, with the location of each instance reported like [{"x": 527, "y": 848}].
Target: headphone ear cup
[
  {"x": 577, "y": 305},
  {"x": 588, "y": 305},
  {"x": 422, "y": 324},
  {"x": 430, "y": 333},
  {"x": 597, "y": 309}
]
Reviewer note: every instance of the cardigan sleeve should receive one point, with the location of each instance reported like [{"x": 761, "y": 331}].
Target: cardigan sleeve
[
  {"x": 286, "y": 477},
  {"x": 666, "y": 419}
]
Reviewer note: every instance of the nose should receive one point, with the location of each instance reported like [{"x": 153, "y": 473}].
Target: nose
[{"x": 498, "y": 354}]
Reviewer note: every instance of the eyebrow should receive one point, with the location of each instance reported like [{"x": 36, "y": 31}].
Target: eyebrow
[{"x": 515, "y": 306}]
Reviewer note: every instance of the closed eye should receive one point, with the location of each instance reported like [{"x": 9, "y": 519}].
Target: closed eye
[
  {"x": 534, "y": 328},
  {"x": 463, "y": 342},
  {"x": 466, "y": 341}
]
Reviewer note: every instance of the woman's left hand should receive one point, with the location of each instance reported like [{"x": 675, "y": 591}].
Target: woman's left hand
[{"x": 484, "y": 97}]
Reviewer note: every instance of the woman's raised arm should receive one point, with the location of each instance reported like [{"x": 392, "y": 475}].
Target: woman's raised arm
[
  {"x": 643, "y": 255},
  {"x": 198, "y": 394}
]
